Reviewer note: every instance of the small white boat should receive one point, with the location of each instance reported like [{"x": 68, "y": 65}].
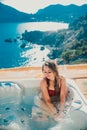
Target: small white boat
[{"x": 17, "y": 102}]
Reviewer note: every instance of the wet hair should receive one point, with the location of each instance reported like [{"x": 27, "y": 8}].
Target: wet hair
[{"x": 53, "y": 67}]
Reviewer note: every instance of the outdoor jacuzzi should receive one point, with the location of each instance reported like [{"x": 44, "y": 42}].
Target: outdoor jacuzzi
[{"x": 17, "y": 102}]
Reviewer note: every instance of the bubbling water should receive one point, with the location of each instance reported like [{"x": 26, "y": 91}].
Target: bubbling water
[{"x": 18, "y": 111}]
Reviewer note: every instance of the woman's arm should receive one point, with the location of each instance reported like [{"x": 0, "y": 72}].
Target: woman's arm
[
  {"x": 46, "y": 98},
  {"x": 63, "y": 91}
]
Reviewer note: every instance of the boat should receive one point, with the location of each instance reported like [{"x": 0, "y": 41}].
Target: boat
[{"x": 17, "y": 105}]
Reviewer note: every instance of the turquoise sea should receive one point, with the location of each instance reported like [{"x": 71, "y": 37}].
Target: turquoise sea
[{"x": 12, "y": 55}]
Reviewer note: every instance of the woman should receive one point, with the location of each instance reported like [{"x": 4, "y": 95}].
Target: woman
[{"x": 53, "y": 88}]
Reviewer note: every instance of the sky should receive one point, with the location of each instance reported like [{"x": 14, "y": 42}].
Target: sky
[{"x": 32, "y": 6}]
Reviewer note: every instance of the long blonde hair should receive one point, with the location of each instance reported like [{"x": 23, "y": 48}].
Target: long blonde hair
[{"x": 54, "y": 69}]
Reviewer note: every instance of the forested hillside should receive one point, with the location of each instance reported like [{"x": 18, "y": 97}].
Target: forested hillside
[{"x": 68, "y": 46}]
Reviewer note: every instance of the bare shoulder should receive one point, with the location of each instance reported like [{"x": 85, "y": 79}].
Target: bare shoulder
[
  {"x": 43, "y": 82},
  {"x": 62, "y": 78}
]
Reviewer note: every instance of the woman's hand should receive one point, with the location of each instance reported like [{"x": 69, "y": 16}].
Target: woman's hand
[
  {"x": 59, "y": 116},
  {"x": 61, "y": 108},
  {"x": 55, "y": 115}
]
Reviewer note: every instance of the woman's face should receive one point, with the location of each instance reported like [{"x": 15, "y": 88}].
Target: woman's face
[{"x": 48, "y": 73}]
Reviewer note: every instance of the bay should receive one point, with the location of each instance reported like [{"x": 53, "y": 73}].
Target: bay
[{"x": 12, "y": 55}]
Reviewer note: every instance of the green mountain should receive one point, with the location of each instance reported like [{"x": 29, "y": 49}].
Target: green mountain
[
  {"x": 75, "y": 43},
  {"x": 56, "y": 13},
  {"x": 62, "y": 13},
  {"x": 9, "y": 14}
]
